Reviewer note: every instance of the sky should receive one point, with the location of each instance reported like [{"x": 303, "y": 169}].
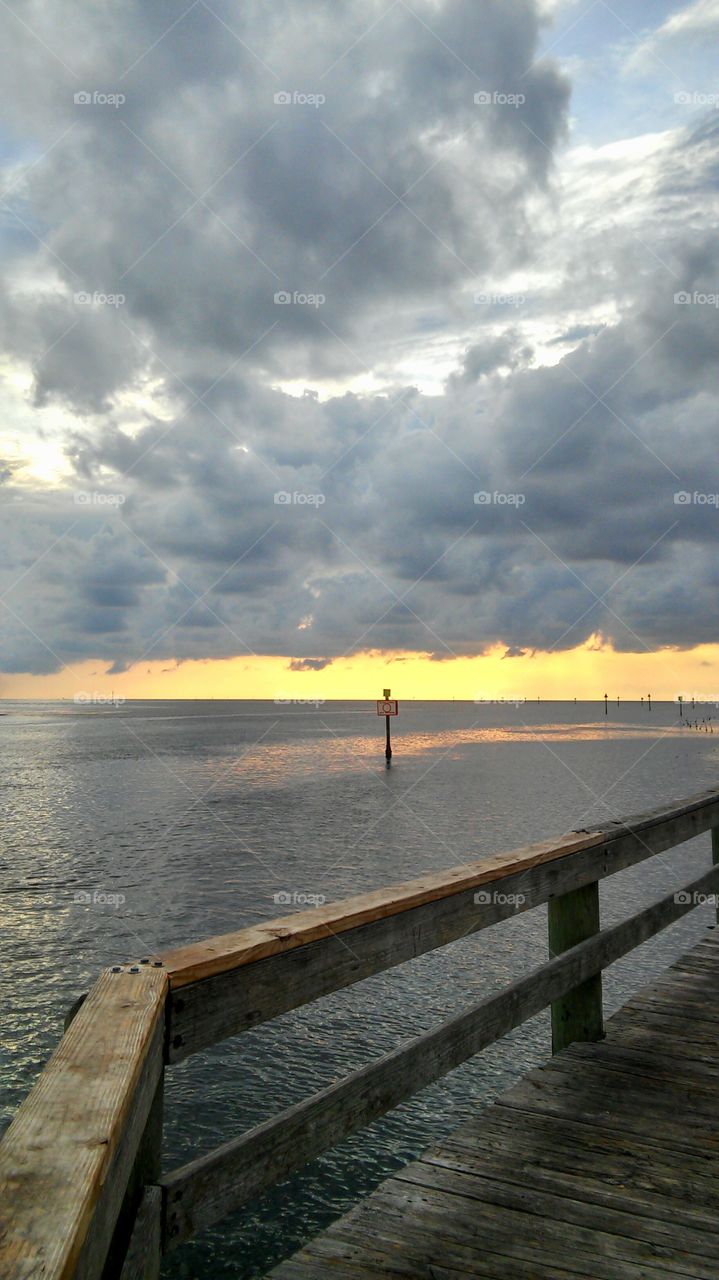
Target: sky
[{"x": 352, "y": 344}]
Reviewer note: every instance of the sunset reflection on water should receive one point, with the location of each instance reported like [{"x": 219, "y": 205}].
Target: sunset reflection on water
[{"x": 274, "y": 763}]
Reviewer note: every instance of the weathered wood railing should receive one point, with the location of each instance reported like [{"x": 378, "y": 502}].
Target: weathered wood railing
[{"x": 81, "y": 1192}]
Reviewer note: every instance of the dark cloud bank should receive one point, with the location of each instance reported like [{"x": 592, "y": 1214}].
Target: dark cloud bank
[{"x": 527, "y": 504}]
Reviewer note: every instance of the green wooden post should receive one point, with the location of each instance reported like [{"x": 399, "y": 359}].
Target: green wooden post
[
  {"x": 715, "y": 856},
  {"x": 573, "y": 917}
]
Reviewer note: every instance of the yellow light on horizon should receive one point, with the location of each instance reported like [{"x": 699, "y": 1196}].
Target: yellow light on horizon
[{"x": 584, "y": 673}]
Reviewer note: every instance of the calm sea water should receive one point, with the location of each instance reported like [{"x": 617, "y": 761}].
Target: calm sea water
[{"x": 203, "y": 817}]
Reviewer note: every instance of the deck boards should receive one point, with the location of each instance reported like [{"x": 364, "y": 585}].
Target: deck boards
[{"x": 603, "y": 1163}]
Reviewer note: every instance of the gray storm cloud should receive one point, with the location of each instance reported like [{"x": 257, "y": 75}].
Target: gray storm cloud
[{"x": 528, "y": 504}]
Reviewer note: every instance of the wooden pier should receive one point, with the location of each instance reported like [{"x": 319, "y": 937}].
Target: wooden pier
[{"x": 603, "y": 1163}]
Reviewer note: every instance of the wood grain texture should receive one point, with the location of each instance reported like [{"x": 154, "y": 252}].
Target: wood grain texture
[
  {"x": 142, "y": 1260},
  {"x": 602, "y": 1165},
  {"x": 208, "y": 1188},
  {"x": 201, "y": 1013},
  {"x": 231, "y": 950},
  {"x": 67, "y": 1157},
  {"x": 645, "y": 835},
  {"x": 571, "y": 918}
]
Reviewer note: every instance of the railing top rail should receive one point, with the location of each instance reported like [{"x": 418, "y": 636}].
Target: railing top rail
[
  {"x": 226, "y": 952},
  {"x": 66, "y": 1158}
]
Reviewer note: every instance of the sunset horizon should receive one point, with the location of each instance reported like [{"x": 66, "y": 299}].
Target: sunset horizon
[{"x": 586, "y": 674}]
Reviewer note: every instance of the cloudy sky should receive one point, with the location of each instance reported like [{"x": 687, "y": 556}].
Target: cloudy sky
[{"x": 354, "y": 339}]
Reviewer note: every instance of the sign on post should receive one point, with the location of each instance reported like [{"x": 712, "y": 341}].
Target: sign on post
[{"x": 387, "y": 707}]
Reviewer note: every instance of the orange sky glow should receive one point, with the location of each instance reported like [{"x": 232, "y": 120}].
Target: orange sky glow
[{"x": 586, "y": 672}]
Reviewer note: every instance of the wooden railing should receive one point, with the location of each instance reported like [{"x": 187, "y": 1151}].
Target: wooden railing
[{"x": 81, "y": 1190}]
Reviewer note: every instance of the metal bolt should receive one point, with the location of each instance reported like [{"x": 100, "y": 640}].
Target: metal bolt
[
  {"x": 157, "y": 964},
  {"x": 134, "y": 969},
  {"x": 116, "y": 968},
  {"x": 144, "y": 962}
]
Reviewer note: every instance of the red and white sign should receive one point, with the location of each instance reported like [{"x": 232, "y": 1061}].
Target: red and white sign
[{"x": 388, "y": 707}]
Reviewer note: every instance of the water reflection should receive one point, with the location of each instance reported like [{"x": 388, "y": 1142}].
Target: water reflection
[{"x": 200, "y": 824}]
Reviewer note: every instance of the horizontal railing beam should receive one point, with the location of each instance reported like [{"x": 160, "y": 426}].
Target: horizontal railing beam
[
  {"x": 67, "y": 1158},
  {"x": 246, "y": 946},
  {"x": 312, "y": 954},
  {"x": 205, "y": 1190}
]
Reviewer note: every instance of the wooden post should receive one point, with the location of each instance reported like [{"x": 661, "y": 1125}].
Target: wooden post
[
  {"x": 573, "y": 917},
  {"x": 715, "y": 854},
  {"x": 136, "y": 1249},
  {"x": 606, "y": 704},
  {"x": 388, "y": 744}
]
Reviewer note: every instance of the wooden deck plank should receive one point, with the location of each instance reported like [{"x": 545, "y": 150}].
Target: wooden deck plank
[
  {"x": 602, "y": 1163},
  {"x": 554, "y": 1144},
  {"x": 391, "y": 1253},
  {"x": 444, "y": 1223},
  {"x": 594, "y": 1181},
  {"x": 564, "y": 1199},
  {"x": 457, "y": 1235}
]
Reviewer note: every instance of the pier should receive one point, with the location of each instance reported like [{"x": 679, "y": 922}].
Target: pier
[{"x": 604, "y": 1162}]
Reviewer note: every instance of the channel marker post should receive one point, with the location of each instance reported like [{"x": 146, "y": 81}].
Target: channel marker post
[{"x": 387, "y": 707}]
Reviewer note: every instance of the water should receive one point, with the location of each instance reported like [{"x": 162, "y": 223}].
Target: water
[{"x": 198, "y": 815}]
